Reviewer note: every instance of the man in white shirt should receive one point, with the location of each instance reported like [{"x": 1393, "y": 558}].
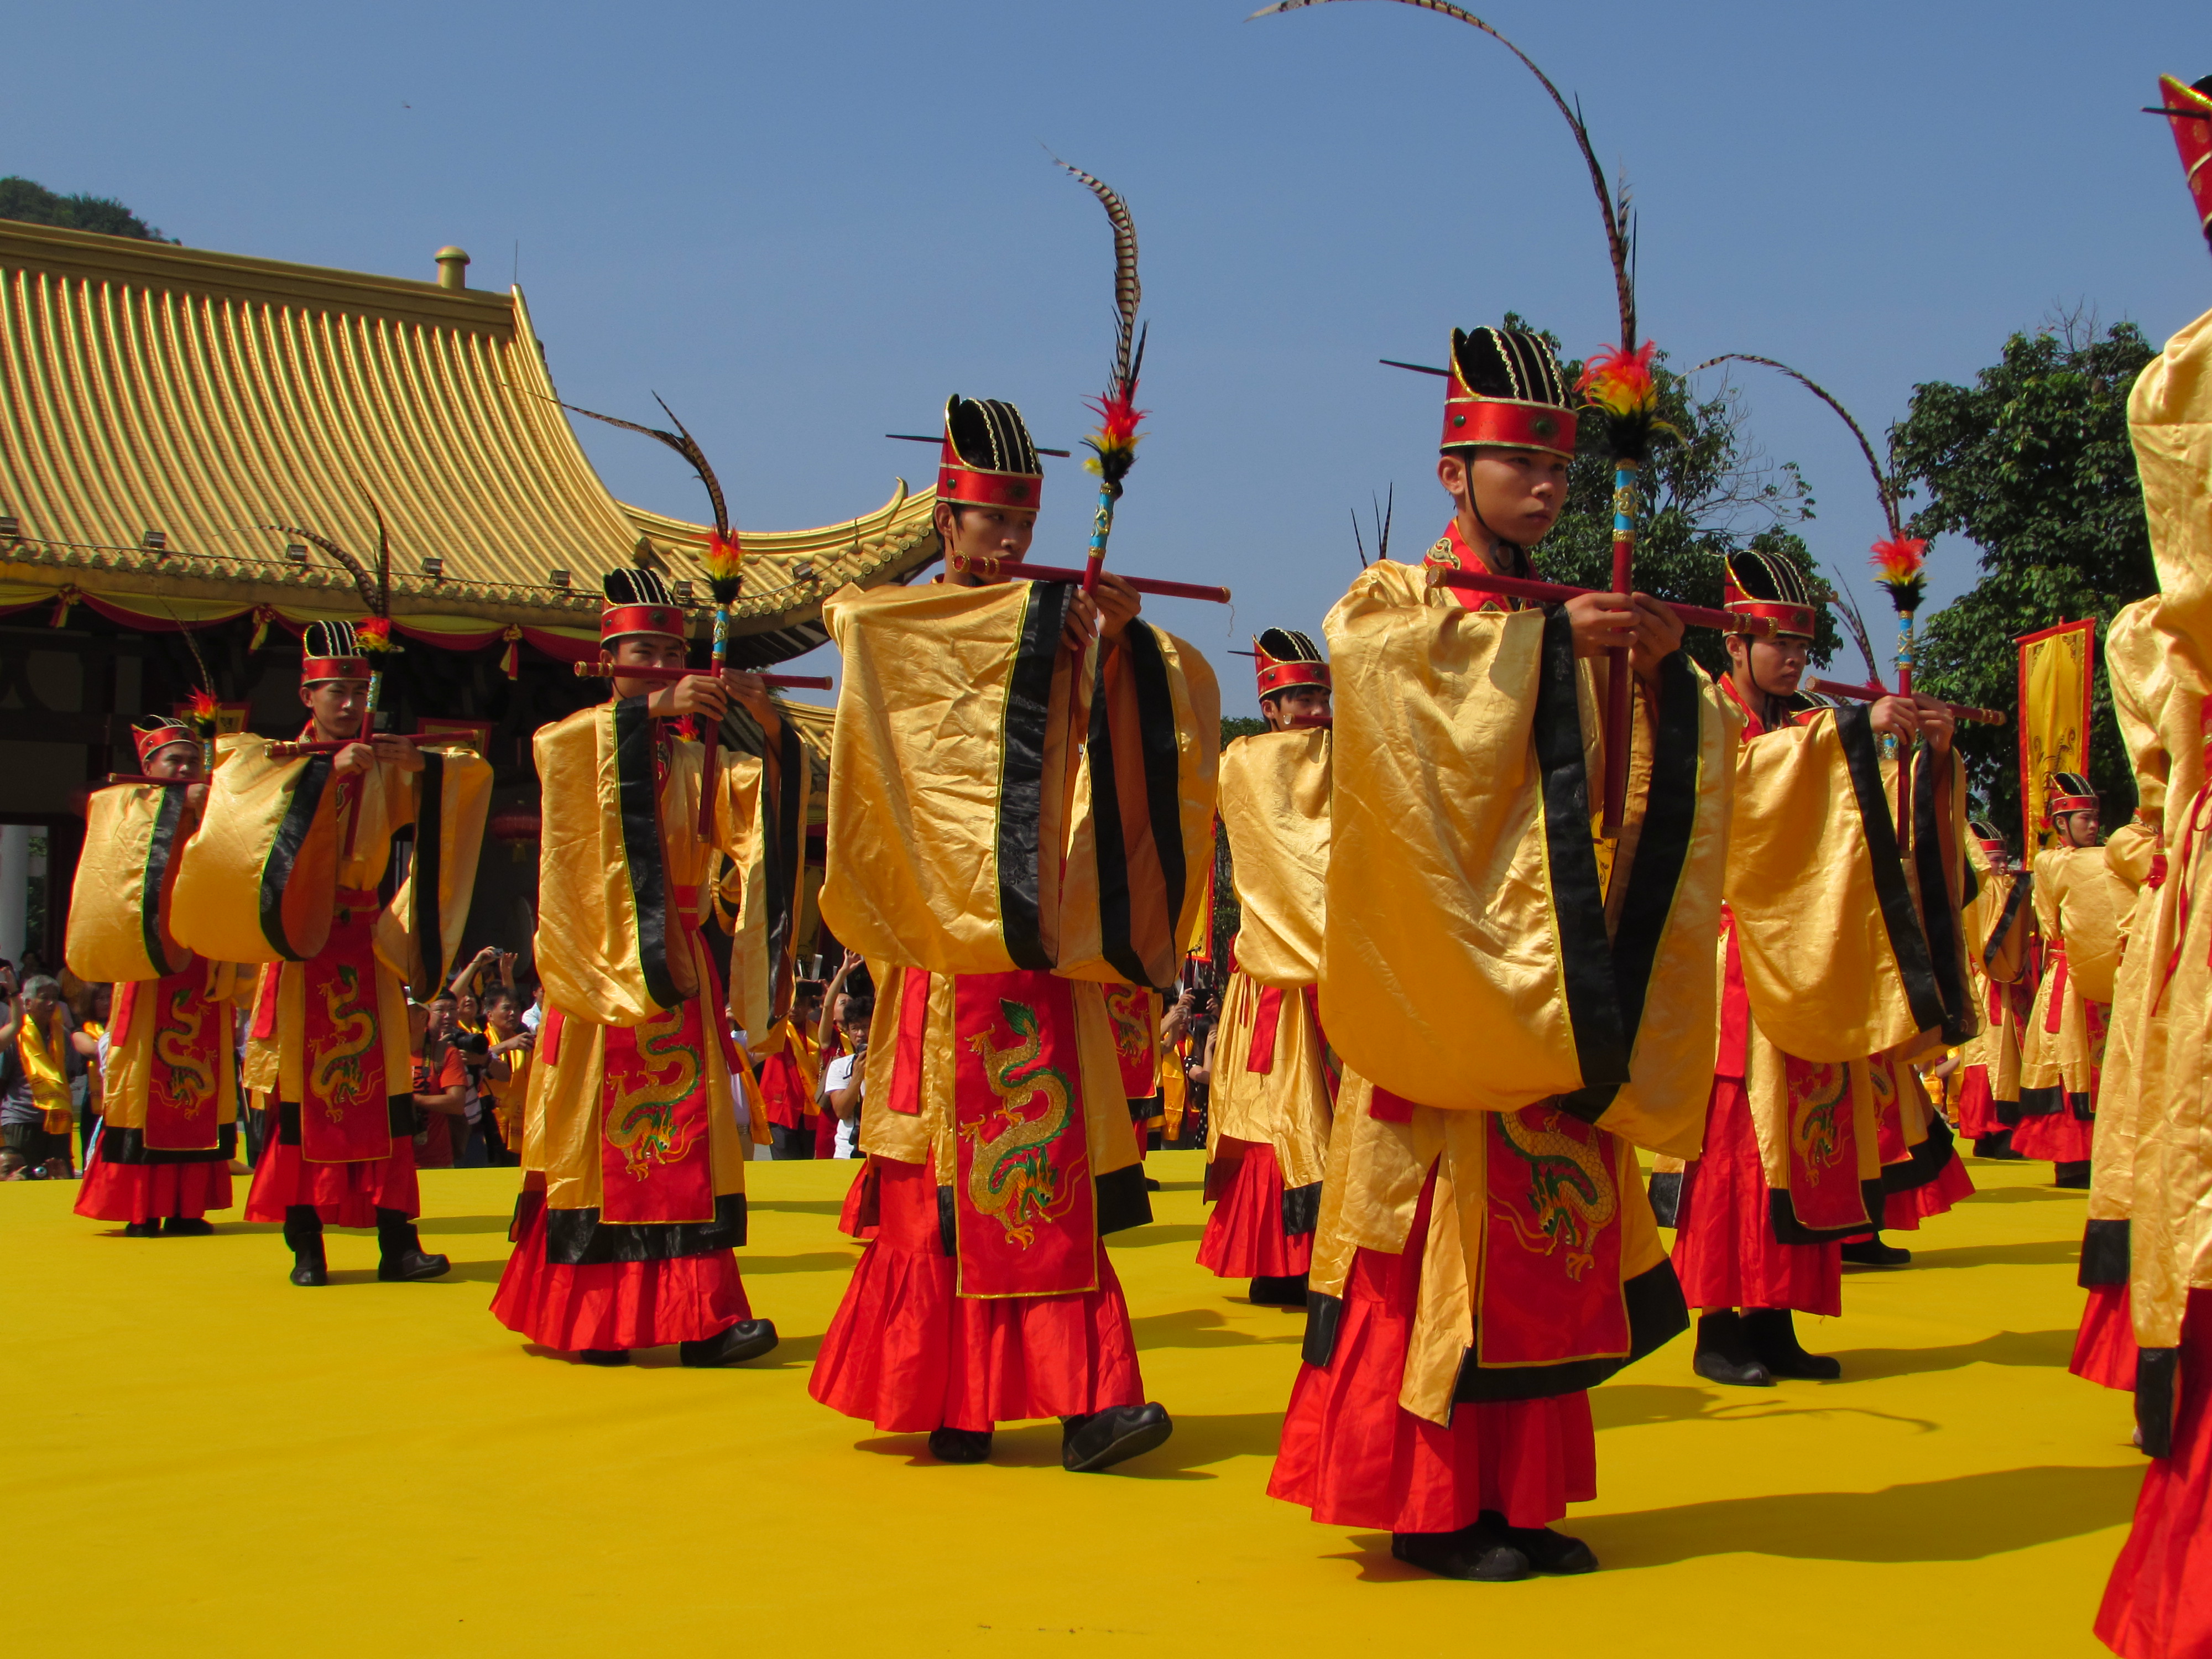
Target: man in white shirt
[{"x": 844, "y": 1079}]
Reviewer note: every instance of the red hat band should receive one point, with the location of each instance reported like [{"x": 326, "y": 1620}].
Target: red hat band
[
  {"x": 2190, "y": 117},
  {"x": 1790, "y": 621},
  {"x": 617, "y": 620},
  {"x": 2070, "y": 804},
  {"x": 160, "y": 738},
  {"x": 1506, "y": 423},
  {"x": 1284, "y": 676},
  {"x": 312, "y": 669},
  {"x": 974, "y": 486}
]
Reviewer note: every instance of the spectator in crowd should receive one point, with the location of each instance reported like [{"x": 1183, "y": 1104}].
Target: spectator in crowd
[
  {"x": 506, "y": 1076},
  {"x": 441, "y": 1082},
  {"x": 829, "y": 1037},
  {"x": 1198, "y": 1073},
  {"x": 36, "y": 1113},
  {"x": 844, "y": 1079}
]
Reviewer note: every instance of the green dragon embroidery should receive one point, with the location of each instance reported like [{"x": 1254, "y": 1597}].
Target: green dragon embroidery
[
  {"x": 182, "y": 1080},
  {"x": 338, "y": 1074},
  {"x": 641, "y": 1112},
  {"x": 1569, "y": 1193},
  {"x": 1817, "y": 1132},
  {"x": 1012, "y": 1176}
]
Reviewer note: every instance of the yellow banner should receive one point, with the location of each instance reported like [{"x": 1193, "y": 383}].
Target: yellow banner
[{"x": 2056, "y": 667}]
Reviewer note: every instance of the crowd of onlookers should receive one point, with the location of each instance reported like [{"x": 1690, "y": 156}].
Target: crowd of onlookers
[{"x": 471, "y": 1045}]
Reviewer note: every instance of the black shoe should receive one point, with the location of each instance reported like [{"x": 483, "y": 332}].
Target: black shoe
[
  {"x": 308, "y": 1266},
  {"x": 410, "y": 1266},
  {"x": 1088, "y": 1444},
  {"x": 2075, "y": 1174},
  {"x": 1151, "y": 1185},
  {"x": 1546, "y": 1551},
  {"x": 960, "y": 1445},
  {"x": 142, "y": 1230},
  {"x": 1724, "y": 1352},
  {"x": 1772, "y": 1335},
  {"x": 1287, "y": 1291},
  {"x": 1998, "y": 1146},
  {"x": 186, "y": 1226},
  {"x": 1477, "y": 1553},
  {"x": 749, "y": 1338},
  {"x": 604, "y": 1356},
  {"x": 1871, "y": 1252}
]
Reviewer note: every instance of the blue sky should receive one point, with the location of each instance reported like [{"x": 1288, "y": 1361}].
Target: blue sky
[{"x": 804, "y": 225}]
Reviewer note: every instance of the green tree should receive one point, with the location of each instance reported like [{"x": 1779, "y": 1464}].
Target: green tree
[
  {"x": 1709, "y": 494},
  {"x": 33, "y": 203},
  {"x": 2031, "y": 463}
]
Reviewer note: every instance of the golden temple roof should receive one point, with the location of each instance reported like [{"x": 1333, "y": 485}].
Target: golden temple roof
[{"x": 158, "y": 403}]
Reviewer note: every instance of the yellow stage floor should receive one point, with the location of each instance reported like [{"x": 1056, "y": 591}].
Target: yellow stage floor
[{"x": 208, "y": 1461}]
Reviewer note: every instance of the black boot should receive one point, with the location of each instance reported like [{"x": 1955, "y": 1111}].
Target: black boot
[
  {"x": 1773, "y": 1338},
  {"x": 960, "y": 1445},
  {"x": 400, "y": 1255},
  {"x": 1088, "y": 1444},
  {"x": 303, "y": 1231},
  {"x": 186, "y": 1226},
  {"x": 1480, "y": 1553},
  {"x": 2075, "y": 1174},
  {"x": 749, "y": 1338},
  {"x": 1871, "y": 1252},
  {"x": 1285, "y": 1290},
  {"x": 604, "y": 1356},
  {"x": 1998, "y": 1146},
  {"x": 142, "y": 1230},
  {"x": 1724, "y": 1352},
  {"x": 1546, "y": 1551}
]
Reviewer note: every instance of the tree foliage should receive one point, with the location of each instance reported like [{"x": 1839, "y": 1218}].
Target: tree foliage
[
  {"x": 33, "y": 203},
  {"x": 1709, "y": 493},
  {"x": 2031, "y": 463}
]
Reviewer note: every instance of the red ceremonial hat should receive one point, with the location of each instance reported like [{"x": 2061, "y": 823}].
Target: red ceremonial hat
[
  {"x": 1992, "y": 842},
  {"x": 1285, "y": 658},
  {"x": 1759, "y": 585},
  {"x": 158, "y": 731},
  {"x": 988, "y": 460},
  {"x": 333, "y": 652},
  {"x": 639, "y": 602},
  {"x": 2068, "y": 792},
  {"x": 2189, "y": 113},
  {"x": 1505, "y": 389}
]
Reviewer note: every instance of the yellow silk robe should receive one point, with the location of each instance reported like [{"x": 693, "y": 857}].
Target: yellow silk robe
[
  {"x": 1998, "y": 926},
  {"x": 1274, "y": 806},
  {"x": 2170, "y": 421}
]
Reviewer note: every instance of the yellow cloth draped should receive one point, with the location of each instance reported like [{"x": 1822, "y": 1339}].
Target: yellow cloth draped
[
  {"x": 618, "y": 940},
  {"x": 133, "y": 835},
  {"x": 1440, "y": 890},
  {"x": 1995, "y": 1045},
  {"x": 2054, "y": 725},
  {"x": 1287, "y": 1106},
  {"x": 45, "y": 1065},
  {"x": 2079, "y": 904},
  {"x": 1819, "y": 967},
  {"x": 1274, "y": 806},
  {"x": 2170, "y": 422},
  {"x": 965, "y": 828}
]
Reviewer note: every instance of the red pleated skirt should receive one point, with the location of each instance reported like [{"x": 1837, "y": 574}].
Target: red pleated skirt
[
  {"x": 153, "y": 1192},
  {"x": 1903, "y": 1213},
  {"x": 1355, "y": 1457},
  {"x": 343, "y": 1194},
  {"x": 1725, "y": 1251},
  {"x": 906, "y": 1354},
  {"x": 2057, "y": 1137},
  {"x": 1244, "y": 1236},
  {"x": 2158, "y": 1604},
  {"x": 1977, "y": 1107},
  {"x": 614, "y": 1305},
  {"x": 2104, "y": 1347}
]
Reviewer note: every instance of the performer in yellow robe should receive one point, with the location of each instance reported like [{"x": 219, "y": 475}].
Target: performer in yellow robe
[
  {"x": 1827, "y": 967},
  {"x": 2079, "y": 906},
  {"x": 1514, "y": 1016},
  {"x": 170, "y": 1123},
  {"x": 2158, "y": 1603},
  {"x": 2142, "y": 685},
  {"x": 1021, "y": 812},
  {"x": 2000, "y": 936},
  {"x": 634, "y": 1162},
  {"x": 1274, "y": 1088},
  {"x": 287, "y": 869}
]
